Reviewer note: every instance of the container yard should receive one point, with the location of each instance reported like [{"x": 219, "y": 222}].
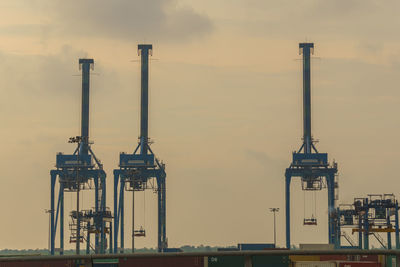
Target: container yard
[{"x": 216, "y": 259}]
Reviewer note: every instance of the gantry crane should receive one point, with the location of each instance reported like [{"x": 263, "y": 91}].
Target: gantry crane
[
  {"x": 346, "y": 216},
  {"x": 378, "y": 214},
  {"x": 369, "y": 216},
  {"x": 138, "y": 171},
  {"x": 308, "y": 164},
  {"x": 76, "y": 172}
]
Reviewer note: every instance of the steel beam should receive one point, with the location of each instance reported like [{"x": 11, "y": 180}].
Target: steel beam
[
  {"x": 307, "y": 49},
  {"x": 288, "y": 179},
  {"x": 144, "y": 51},
  {"x": 85, "y": 65}
]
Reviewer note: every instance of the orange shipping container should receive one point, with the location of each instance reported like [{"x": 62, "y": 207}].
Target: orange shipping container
[
  {"x": 334, "y": 258},
  {"x": 294, "y": 258},
  {"x": 162, "y": 262},
  {"x": 359, "y": 264}
]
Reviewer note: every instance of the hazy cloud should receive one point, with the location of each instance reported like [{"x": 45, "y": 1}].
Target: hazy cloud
[
  {"x": 355, "y": 19},
  {"x": 124, "y": 19}
]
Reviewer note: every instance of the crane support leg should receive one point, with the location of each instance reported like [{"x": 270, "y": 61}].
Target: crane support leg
[
  {"x": 389, "y": 234},
  {"x": 161, "y": 214},
  {"x": 337, "y": 234},
  {"x": 103, "y": 209},
  {"x": 133, "y": 220},
  {"x": 121, "y": 213},
  {"x": 116, "y": 215},
  {"x": 111, "y": 239},
  {"x": 366, "y": 232},
  {"x": 287, "y": 199},
  {"x": 88, "y": 240},
  {"x": 331, "y": 206},
  {"x": 360, "y": 232},
  {"x": 397, "y": 226},
  {"x": 96, "y": 208},
  {"x": 61, "y": 219},
  {"x": 52, "y": 226}
]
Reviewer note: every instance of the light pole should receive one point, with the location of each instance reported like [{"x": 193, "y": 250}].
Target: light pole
[
  {"x": 274, "y": 210},
  {"x": 49, "y": 212}
]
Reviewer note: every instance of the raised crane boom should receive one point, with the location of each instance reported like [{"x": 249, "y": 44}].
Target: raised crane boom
[
  {"x": 85, "y": 65},
  {"x": 307, "y": 49}
]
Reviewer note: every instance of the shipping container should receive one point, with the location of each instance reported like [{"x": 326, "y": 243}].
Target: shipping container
[
  {"x": 335, "y": 258},
  {"x": 374, "y": 258},
  {"x": 228, "y": 249},
  {"x": 162, "y": 262},
  {"x": 359, "y": 264},
  {"x": 276, "y": 249},
  {"x": 271, "y": 261},
  {"x": 38, "y": 263},
  {"x": 172, "y": 250},
  {"x": 382, "y": 260},
  {"x": 105, "y": 263},
  {"x": 294, "y": 258},
  {"x": 317, "y": 246},
  {"x": 314, "y": 264},
  {"x": 255, "y": 246},
  {"x": 225, "y": 261},
  {"x": 391, "y": 261}
]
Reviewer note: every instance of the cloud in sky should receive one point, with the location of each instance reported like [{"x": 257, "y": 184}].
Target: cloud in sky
[
  {"x": 123, "y": 19},
  {"x": 355, "y": 19}
]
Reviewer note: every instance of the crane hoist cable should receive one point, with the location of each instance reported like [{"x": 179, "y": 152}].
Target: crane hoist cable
[
  {"x": 142, "y": 231},
  {"x": 304, "y": 204},
  {"x": 313, "y": 208},
  {"x": 144, "y": 212},
  {"x": 315, "y": 203}
]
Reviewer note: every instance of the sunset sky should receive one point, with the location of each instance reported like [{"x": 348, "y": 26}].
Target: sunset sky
[{"x": 225, "y": 108}]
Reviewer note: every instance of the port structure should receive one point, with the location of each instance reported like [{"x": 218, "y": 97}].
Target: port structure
[
  {"x": 140, "y": 171},
  {"x": 311, "y": 166},
  {"x": 368, "y": 216},
  {"x": 79, "y": 171},
  {"x": 346, "y": 217},
  {"x": 378, "y": 214}
]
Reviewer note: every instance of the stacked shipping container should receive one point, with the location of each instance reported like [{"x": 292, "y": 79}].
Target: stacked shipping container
[
  {"x": 215, "y": 261},
  {"x": 162, "y": 262}
]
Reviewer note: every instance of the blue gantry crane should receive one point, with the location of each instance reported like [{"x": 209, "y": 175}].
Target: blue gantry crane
[
  {"x": 137, "y": 171},
  {"x": 76, "y": 172},
  {"x": 344, "y": 217},
  {"x": 378, "y": 214},
  {"x": 368, "y": 216},
  {"x": 311, "y": 166}
]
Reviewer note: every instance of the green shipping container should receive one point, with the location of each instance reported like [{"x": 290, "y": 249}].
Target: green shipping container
[
  {"x": 391, "y": 261},
  {"x": 269, "y": 261},
  {"x": 225, "y": 261}
]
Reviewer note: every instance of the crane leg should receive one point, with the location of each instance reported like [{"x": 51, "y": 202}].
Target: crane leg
[{"x": 287, "y": 199}]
